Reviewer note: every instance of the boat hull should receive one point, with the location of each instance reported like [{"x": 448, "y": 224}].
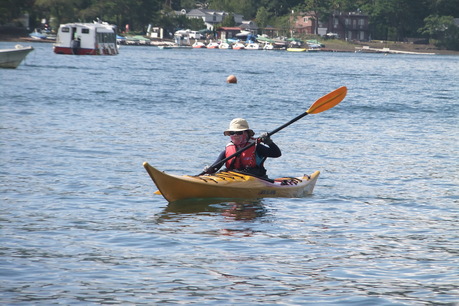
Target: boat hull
[
  {"x": 85, "y": 51},
  {"x": 297, "y": 49},
  {"x": 199, "y": 45},
  {"x": 228, "y": 184},
  {"x": 12, "y": 58}
]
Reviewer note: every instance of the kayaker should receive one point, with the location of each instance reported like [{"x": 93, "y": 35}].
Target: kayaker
[{"x": 251, "y": 160}]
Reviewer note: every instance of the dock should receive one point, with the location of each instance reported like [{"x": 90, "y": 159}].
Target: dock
[{"x": 367, "y": 49}]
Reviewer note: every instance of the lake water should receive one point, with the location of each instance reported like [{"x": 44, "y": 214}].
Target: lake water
[{"x": 80, "y": 223}]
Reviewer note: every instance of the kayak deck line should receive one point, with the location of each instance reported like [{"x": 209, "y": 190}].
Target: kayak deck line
[
  {"x": 223, "y": 176},
  {"x": 229, "y": 184},
  {"x": 290, "y": 180}
]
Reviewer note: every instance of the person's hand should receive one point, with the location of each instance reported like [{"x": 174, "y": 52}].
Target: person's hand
[
  {"x": 265, "y": 138},
  {"x": 208, "y": 170}
]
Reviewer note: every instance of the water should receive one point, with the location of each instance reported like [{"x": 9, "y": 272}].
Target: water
[{"x": 80, "y": 223}]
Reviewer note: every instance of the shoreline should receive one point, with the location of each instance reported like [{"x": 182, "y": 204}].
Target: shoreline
[{"x": 330, "y": 46}]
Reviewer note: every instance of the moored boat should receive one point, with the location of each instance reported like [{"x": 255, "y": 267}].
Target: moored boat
[
  {"x": 294, "y": 49},
  {"x": 230, "y": 185},
  {"x": 224, "y": 45},
  {"x": 38, "y": 34},
  {"x": 213, "y": 45},
  {"x": 238, "y": 46},
  {"x": 98, "y": 38},
  {"x": 253, "y": 46},
  {"x": 199, "y": 45},
  {"x": 12, "y": 58},
  {"x": 268, "y": 46}
]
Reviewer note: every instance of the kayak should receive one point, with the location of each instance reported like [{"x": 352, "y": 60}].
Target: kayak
[{"x": 229, "y": 184}]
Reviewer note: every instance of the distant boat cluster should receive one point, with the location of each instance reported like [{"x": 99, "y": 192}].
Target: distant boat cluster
[
  {"x": 100, "y": 38},
  {"x": 262, "y": 44}
]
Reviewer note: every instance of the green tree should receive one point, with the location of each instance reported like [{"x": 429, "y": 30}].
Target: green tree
[
  {"x": 262, "y": 17},
  {"x": 278, "y": 8},
  {"x": 187, "y": 4},
  {"x": 445, "y": 7},
  {"x": 228, "y": 21},
  {"x": 62, "y": 11},
  {"x": 395, "y": 19},
  {"x": 443, "y": 30},
  {"x": 243, "y": 7},
  {"x": 12, "y": 9}
]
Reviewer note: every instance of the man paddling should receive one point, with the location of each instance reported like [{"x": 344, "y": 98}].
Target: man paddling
[{"x": 250, "y": 160}]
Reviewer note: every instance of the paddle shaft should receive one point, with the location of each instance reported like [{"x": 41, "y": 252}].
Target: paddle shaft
[{"x": 288, "y": 123}]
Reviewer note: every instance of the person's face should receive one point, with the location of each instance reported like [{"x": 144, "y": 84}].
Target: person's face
[{"x": 238, "y": 138}]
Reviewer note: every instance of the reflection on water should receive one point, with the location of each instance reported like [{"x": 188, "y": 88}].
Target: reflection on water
[
  {"x": 244, "y": 210},
  {"x": 237, "y": 215}
]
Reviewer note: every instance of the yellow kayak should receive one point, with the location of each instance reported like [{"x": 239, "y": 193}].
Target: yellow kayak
[{"x": 229, "y": 184}]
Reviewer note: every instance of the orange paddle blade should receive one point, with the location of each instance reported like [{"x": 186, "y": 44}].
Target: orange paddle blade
[{"x": 328, "y": 101}]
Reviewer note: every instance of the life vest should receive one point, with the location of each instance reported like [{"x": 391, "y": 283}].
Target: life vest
[{"x": 246, "y": 159}]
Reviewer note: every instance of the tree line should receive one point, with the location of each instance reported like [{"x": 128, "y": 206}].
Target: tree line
[{"x": 389, "y": 19}]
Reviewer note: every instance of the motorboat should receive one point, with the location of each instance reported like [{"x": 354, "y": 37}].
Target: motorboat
[
  {"x": 253, "y": 46},
  {"x": 98, "y": 38},
  {"x": 12, "y": 58}
]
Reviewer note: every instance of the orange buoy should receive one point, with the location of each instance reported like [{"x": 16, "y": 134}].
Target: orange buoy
[{"x": 231, "y": 79}]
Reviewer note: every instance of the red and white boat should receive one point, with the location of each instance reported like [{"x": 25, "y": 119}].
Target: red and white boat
[
  {"x": 98, "y": 38},
  {"x": 199, "y": 44},
  {"x": 213, "y": 45},
  {"x": 238, "y": 46}
]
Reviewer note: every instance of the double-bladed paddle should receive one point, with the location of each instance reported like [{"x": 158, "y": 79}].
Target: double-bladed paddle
[{"x": 324, "y": 103}]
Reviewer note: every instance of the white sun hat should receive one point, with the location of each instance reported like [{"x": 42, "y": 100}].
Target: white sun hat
[{"x": 238, "y": 125}]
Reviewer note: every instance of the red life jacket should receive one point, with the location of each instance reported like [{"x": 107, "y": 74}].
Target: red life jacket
[{"x": 246, "y": 159}]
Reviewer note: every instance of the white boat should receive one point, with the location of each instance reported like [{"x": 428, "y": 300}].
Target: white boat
[
  {"x": 268, "y": 46},
  {"x": 11, "y": 58},
  {"x": 213, "y": 45},
  {"x": 98, "y": 38},
  {"x": 224, "y": 46},
  {"x": 38, "y": 34},
  {"x": 253, "y": 46},
  {"x": 238, "y": 46},
  {"x": 198, "y": 45}
]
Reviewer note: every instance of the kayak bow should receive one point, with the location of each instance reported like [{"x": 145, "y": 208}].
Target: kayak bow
[{"x": 229, "y": 184}]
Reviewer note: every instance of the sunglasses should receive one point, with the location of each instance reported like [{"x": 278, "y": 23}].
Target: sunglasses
[{"x": 236, "y": 133}]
